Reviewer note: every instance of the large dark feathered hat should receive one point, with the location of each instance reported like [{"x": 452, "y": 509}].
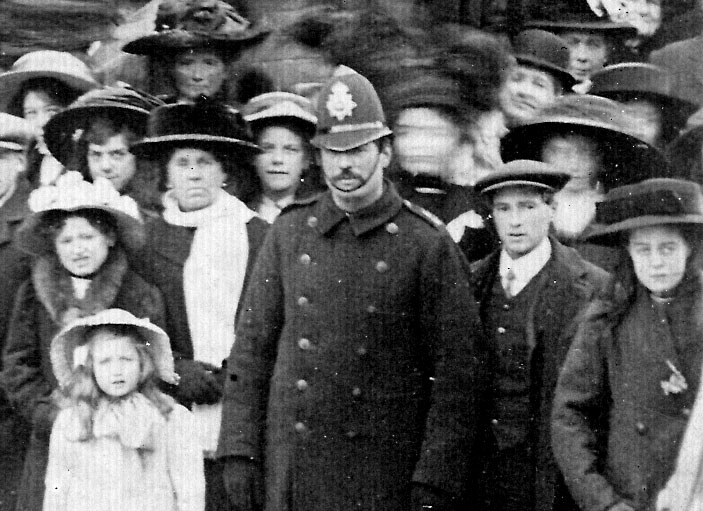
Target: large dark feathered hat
[
  {"x": 205, "y": 123},
  {"x": 196, "y": 24},
  {"x": 121, "y": 104}
]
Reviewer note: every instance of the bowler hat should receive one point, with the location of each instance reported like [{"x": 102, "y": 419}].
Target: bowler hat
[
  {"x": 546, "y": 51},
  {"x": 640, "y": 80},
  {"x": 66, "y": 353},
  {"x": 658, "y": 201},
  {"x": 205, "y": 123},
  {"x": 523, "y": 173},
  {"x": 627, "y": 159},
  {"x": 196, "y": 24},
  {"x": 119, "y": 103},
  {"x": 349, "y": 113},
  {"x": 280, "y": 105},
  {"x": 59, "y": 65},
  {"x": 424, "y": 86}
]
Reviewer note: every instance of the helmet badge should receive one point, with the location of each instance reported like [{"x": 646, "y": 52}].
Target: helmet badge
[{"x": 340, "y": 103}]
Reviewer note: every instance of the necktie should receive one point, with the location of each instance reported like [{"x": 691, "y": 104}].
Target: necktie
[{"x": 509, "y": 283}]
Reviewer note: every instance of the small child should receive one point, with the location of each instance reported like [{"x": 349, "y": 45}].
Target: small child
[{"x": 119, "y": 443}]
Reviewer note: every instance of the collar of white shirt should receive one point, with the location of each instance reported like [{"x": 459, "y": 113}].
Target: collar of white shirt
[{"x": 525, "y": 267}]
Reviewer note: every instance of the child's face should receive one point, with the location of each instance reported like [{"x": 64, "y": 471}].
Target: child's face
[{"x": 115, "y": 364}]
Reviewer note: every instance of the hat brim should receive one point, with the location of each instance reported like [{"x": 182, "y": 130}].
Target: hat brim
[
  {"x": 527, "y": 141},
  {"x": 678, "y": 106},
  {"x": 67, "y": 340},
  {"x": 608, "y": 27},
  {"x": 611, "y": 235},
  {"x": 11, "y": 83},
  {"x": 346, "y": 140},
  {"x": 171, "y": 41},
  {"x": 59, "y": 131},
  {"x": 565, "y": 78},
  {"x": 155, "y": 147},
  {"x": 130, "y": 231}
]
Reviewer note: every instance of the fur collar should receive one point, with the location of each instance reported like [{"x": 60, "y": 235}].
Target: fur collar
[{"x": 55, "y": 289}]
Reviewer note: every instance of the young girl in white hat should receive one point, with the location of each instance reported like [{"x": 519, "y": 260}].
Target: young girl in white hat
[{"x": 119, "y": 442}]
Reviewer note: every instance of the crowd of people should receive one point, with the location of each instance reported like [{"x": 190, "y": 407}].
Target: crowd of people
[{"x": 452, "y": 274}]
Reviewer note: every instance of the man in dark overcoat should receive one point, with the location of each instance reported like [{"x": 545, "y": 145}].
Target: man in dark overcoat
[
  {"x": 351, "y": 384},
  {"x": 529, "y": 293}
]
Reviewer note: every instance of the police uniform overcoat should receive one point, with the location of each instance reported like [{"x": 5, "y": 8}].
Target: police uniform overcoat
[
  {"x": 352, "y": 372},
  {"x": 569, "y": 286},
  {"x": 617, "y": 424}
]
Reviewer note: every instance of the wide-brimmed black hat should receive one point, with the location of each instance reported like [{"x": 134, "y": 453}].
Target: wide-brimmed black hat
[
  {"x": 546, "y": 51},
  {"x": 523, "y": 173},
  {"x": 207, "y": 123},
  {"x": 570, "y": 16},
  {"x": 658, "y": 201},
  {"x": 640, "y": 80},
  {"x": 122, "y": 104},
  {"x": 627, "y": 159},
  {"x": 196, "y": 24},
  {"x": 684, "y": 153}
]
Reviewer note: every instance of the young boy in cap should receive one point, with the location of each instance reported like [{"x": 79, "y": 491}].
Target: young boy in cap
[
  {"x": 539, "y": 78},
  {"x": 528, "y": 291},
  {"x": 352, "y": 381}
]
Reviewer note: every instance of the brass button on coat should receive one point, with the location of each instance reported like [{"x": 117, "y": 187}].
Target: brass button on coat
[
  {"x": 501, "y": 330},
  {"x": 305, "y": 259},
  {"x": 304, "y": 344},
  {"x": 312, "y": 221},
  {"x": 382, "y": 267},
  {"x": 392, "y": 228},
  {"x": 303, "y": 301},
  {"x": 301, "y": 385},
  {"x": 641, "y": 428},
  {"x": 361, "y": 351},
  {"x": 300, "y": 427},
  {"x": 356, "y": 392}
]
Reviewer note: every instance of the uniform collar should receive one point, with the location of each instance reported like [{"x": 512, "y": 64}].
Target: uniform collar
[{"x": 364, "y": 220}]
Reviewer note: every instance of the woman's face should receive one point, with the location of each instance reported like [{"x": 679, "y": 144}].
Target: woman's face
[
  {"x": 198, "y": 72},
  {"x": 280, "y": 166},
  {"x": 195, "y": 177},
  {"x": 112, "y": 160},
  {"x": 38, "y": 107},
  {"x": 82, "y": 248},
  {"x": 659, "y": 255}
]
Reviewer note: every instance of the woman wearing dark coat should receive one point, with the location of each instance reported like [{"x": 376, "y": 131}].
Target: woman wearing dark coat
[
  {"x": 200, "y": 253},
  {"x": 79, "y": 234},
  {"x": 630, "y": 378}
]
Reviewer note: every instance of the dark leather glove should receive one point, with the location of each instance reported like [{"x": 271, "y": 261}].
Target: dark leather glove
[
  {"x": 424, "y": 497},
  {"x": 43, "y": 420},
  {"x": 200, "y": 382},
  {"x": 244, "y": 483}
]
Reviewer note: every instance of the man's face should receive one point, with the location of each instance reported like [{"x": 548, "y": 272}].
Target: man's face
[
  {"x": 356, "y": 174},
  {"x": 425, "y": 141},
  {"x": 588, "y": 53},
  {"x": 526, "y": 91},
  {"x": 113, "y": 161},
  {"x": 644, "y": 15},
  {"x": 576, "y": 155},
  {"x": 522, "y": 219}
]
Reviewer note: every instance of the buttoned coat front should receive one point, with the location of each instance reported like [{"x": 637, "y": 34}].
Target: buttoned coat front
[
  {"x": 352, "y": 372},
  {"x": 571, "y": 282}
]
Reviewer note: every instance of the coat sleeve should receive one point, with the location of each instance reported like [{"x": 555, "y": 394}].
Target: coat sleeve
[
  {"x": 22, "y": 376},
  {"x": 253, "y": 355},
  {"x": 58, "y": 469},
  {"x": 451, "y": 330},
  {"x": 579, "y": 404},
  {"x": 185, "y": 461}
]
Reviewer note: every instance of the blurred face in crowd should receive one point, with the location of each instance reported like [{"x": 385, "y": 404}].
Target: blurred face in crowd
[
  {"x": 198, "y": 72},
  {"x": 588, "y": 52},
  {"x": 282, "y": 161},
  {"x": 522, "y": 218},
  {"x": 112, "y": 160},
  {"x": 526, "y": 91},
  {"x": 659, "y": 255},
  {"x": 425, "y": 141},
  {"x": 644, "y": 15},
  {"x": 576, "y": 155},
  {"x": 38, "y": 107},
  {"x": 479, "y": 153},
  {"x": 11, "y": 165},
  {"x": 116, "y": 364},
  {"x": 646, "y": 120},
  {"x": 355, "y": 177},
  {"x": 81, "y": 247},
  {"x": 195, "y": 177}
]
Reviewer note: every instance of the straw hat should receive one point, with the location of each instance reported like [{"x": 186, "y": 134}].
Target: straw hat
[
  {"x": 60, "y": 65},
  {"x": 66, "y": 352},
  {"x": 72, "y": 193},
  {"x": 280, "y": 105},
  {"x": 523, "y": 173},
  {"x": 658, "y": 201},
  {"x": 121, "y": 102}
]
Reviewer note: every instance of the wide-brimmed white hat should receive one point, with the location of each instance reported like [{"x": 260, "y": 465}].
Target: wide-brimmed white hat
[
  {"x": 65, "y": 356},
  {"x": 72, "y": 193}
]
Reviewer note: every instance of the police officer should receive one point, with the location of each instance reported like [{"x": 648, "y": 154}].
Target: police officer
[
  {"x": 351, "y": 383},
  {"x": 529, "y": 292}
]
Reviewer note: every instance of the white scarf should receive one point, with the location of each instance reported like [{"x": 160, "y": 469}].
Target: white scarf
[{"x": 213, "y": 277}]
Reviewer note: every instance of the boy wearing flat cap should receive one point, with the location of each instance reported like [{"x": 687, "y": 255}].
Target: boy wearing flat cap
[
  {"x": 529, "y": 291},
  {"x": 352, "y": 381}
]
